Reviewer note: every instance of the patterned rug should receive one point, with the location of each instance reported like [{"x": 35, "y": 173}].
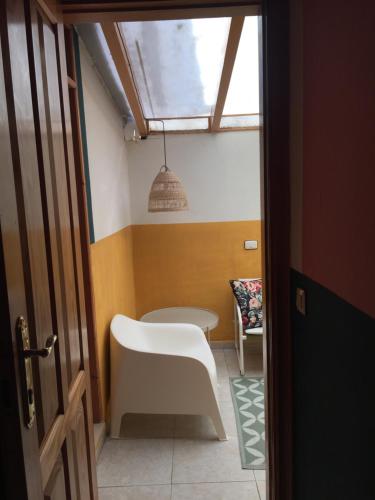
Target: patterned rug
[{"x": 248, "y": 402}]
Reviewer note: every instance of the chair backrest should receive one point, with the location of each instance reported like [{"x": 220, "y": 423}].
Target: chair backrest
[{"x": 248, "y": 293}]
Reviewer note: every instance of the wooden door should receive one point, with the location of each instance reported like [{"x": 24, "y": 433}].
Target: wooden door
[{"x": 50, "y": 456}]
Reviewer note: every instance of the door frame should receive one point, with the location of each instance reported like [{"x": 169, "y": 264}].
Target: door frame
[
  {"x": 83, "y": 188},
  {"x": 275, "y": 183},
  {"x": 275, "y": 197}
]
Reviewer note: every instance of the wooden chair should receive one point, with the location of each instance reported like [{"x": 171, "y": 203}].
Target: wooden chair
[{"x": 242, "y": 334}]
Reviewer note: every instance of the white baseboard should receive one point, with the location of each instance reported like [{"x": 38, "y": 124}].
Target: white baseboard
[
  {"x": 99, "y": 437},
  {"x": 222, "y": 344},
  {"x": 254, "y": 344}
]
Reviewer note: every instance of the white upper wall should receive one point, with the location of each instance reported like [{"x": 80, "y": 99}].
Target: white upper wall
[
  {"x": 108, "y": 163},
  {"x": 220, "y": 174}
]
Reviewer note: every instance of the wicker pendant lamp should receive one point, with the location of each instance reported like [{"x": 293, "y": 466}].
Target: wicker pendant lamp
[{"x": 167, "y": 193}]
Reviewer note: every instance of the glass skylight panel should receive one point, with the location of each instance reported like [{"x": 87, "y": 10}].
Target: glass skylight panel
[
  {"x": 179, "y": 125},
  {"x": 239, "y": 121},
  {"x": 243, "y": 92},
  {"x": 177, "y": 64}
]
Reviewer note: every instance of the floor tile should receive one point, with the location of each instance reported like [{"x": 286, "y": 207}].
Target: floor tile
[
  {"x": 157, "y": 492},
  {"x": 198, "y": 461},
  {"x": 135, "y": 462},
  {"x": 99, "y": 438},
  {"x": 223, "y": 390},
  {"x": 262, "y": 489},
  {"x": 254, "y": 344},
  {"x": 147, "y": 426},
  {"x": 140, "y": 465},
  {"x": 201, "y": 427},
  {"x": 260, "y": 475},
  {"x": 221, "y": 367},
  {"x": 231, "y": 361},
  {"x": 254, "y": 364},
  {"x": 215, "y": 491}
]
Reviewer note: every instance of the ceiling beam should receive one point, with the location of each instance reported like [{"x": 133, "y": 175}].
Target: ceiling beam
[
  {"x": 120, "y": 58},
  {"x": 152, "y": 10},
  {"x": 234, "y": 36}
]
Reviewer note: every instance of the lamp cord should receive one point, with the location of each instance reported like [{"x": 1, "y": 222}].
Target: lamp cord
[{"x": 165, "y": 148}]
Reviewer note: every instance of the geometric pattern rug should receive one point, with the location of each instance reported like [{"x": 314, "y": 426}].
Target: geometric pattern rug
[{"x": 248, "y": 402}]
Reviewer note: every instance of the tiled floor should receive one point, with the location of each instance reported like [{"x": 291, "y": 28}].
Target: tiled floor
[{"x": 178, "y": 458}]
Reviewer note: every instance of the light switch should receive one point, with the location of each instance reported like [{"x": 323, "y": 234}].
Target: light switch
[
  {"x": 301, "y": 301},
  {"x": 250, "y": 244}
]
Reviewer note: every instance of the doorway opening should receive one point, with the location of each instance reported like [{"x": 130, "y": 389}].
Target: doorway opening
[{"x": 198, "y": 79}]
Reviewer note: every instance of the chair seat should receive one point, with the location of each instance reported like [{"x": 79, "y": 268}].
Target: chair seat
[{"x": 254, "y": 331}]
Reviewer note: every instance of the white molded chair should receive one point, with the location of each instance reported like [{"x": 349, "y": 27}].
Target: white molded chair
[
  {"x": 165, "y": 368},
  {"x": 240, "y": 336}
]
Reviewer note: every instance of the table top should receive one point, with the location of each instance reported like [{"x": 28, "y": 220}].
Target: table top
[{"x": 204, "y": 318}]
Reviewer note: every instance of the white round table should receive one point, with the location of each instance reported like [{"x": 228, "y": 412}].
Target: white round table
[{"x": 204, "y": 318}]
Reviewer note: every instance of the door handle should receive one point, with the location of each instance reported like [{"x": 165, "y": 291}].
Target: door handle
[
  {"x": 26, "y": 366},
  {"x": 44, "y": 352}
]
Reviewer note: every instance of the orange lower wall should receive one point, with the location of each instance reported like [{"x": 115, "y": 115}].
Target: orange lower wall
[
  {"x": 190, "y": 265},
  {"x": 142, "y": 268},
  {"x": 113, "y": 280}
]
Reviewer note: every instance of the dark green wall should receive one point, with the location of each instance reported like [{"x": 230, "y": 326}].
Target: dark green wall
[{"x": 334, "y": 396}]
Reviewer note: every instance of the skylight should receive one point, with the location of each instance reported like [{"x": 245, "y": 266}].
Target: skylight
[
  {"x": 243, "y": 92},
  {"x": 179, "y": 124},
  {"x": 196, "y": 74},
  {"x": 177, "y": 64}
]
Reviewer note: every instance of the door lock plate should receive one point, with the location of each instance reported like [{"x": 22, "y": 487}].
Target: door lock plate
[{"x": 27, "y": 369}]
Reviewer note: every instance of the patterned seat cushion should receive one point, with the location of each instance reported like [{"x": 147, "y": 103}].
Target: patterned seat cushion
[{"x": 248, "y": 293}]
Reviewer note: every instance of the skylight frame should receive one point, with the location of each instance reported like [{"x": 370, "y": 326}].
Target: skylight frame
[{"x": 205, "y": 130}]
